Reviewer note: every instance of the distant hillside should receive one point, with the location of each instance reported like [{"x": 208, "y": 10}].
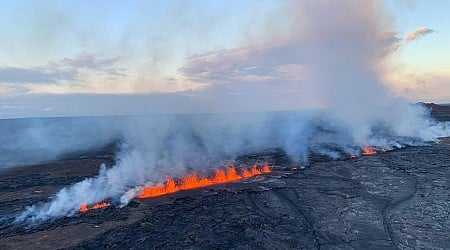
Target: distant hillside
[{"x": 440, "y": 112}]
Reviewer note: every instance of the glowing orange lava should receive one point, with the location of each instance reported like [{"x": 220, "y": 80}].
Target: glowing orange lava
[
  {"x": 84, "y": 207},
  {"x": 192, "y": 181},
  {"x": 368, "y": 151}
]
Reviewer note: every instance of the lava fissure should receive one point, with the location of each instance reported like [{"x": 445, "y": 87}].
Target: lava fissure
[
  {"x": 85, "y": 208},
  {"x": 192, "y": 181},
  {"x": 368, "y": 151}
]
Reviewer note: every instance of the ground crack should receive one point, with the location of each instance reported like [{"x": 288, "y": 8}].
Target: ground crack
[
  {"x": 391, "y": 205},
  {"x": 315, "y": 233}
]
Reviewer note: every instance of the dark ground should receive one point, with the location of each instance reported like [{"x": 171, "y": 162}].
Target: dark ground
[
  {"x": 439, "y": 112},
  {"x": 397, "y": 199}
]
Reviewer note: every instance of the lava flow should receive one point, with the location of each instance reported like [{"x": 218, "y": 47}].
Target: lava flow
[
  {"x": 84, "y": 207},
  {"x": 192, "y": 181},
  {"x": 368, "y": 151}
]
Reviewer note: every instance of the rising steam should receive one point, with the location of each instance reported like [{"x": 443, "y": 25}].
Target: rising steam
[{"x": 342, "y": 43}]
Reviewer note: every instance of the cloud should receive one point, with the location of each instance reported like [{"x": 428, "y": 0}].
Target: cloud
[
  {"x": 37, "y": 75},
  {"x": 418, "y": 33},
  {"x": 265, "y": 62},
  {"x": 87, "y": 61},
  {"x": 417, "y": 86},
  {"x": 60, "y": 75}
]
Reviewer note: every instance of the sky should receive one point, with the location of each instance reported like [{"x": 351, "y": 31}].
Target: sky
[{"x": 69, "y": 58}]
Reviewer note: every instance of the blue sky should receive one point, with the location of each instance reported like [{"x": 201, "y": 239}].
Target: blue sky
[
  {"x": 433, "y": 52},
  {"x": 60, "y": 50}
]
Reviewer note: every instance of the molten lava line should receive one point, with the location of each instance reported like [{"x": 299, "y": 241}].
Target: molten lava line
[
  {"x": 84, "y": 207},
  {"x": 368, "y": 151},
  {"x": 192, "y": 181},
  {"x": 189, "y": 182}
]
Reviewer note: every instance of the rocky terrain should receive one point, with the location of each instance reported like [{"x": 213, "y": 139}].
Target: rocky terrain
[{"x": 391, "y": 200}]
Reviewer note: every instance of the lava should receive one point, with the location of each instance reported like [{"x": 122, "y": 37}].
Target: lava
[
  {"x": 192, "y": 181},
  {"x": 368, "y": 151},
  {"x": 84, "y": 207}
]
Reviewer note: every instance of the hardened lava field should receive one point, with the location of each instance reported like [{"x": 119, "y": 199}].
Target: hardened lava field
[{"x": 388, "y": 200}]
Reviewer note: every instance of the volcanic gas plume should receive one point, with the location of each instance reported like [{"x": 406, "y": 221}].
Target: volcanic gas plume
[{"x": 342, "y": 45}]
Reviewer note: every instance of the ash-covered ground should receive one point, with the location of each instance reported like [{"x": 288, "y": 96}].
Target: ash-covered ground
[{"x": 397, "y": 199}]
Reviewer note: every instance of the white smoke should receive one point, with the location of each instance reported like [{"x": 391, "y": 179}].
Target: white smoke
[
  {"x": 342, "y": 46},
  {"x": 174, "y": 145}
]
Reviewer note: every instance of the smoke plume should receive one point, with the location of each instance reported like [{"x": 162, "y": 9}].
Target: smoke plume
[{"x": 341, "y": 45}]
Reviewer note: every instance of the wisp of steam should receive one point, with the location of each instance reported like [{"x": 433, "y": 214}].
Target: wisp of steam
[{"x": 343, "y": 43}]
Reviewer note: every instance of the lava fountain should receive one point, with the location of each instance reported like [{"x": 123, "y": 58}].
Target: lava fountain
[
  {"x": 192, "y": 181},
  {"x": 85, "y": 208},
  {"x": 368, "y": 151}
]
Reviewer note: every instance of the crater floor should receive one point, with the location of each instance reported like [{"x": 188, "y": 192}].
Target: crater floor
[{"x": 396, "y": 199}]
